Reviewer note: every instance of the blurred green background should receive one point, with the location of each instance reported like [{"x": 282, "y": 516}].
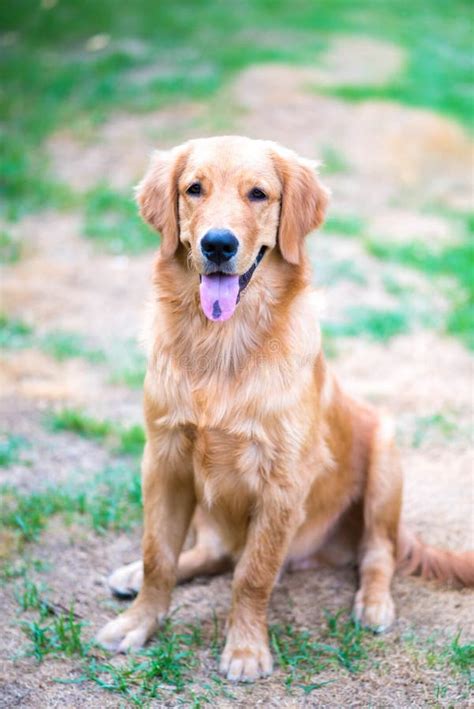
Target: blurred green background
[
  {"x": 73, "y": 64},
  {"x": 53, "y": 74}
]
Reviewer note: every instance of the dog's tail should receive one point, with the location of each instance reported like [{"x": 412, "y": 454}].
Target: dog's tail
[{"x": 419, "y": 559}]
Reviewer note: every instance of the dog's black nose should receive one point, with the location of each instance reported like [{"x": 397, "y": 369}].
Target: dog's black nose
[{"x": 219, "y": 245}]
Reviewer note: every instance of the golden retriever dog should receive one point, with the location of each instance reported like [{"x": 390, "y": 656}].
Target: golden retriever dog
[{"x": 249, "y": 433}]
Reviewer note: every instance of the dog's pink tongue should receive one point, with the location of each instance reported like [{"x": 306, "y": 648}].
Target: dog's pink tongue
[{"x": 219, "y": 295}]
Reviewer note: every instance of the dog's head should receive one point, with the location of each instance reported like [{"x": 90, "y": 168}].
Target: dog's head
[{"x": 228, "y": 200}]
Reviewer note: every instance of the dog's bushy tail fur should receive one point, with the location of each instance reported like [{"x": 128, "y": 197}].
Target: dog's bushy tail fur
[{"x": 420, "y": 559}]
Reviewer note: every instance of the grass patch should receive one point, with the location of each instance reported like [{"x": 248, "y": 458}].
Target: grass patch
[
  {"x": 77, "y": 422},
  {"x": 112, "y": 220},
  {"x": 121, "y": 439},
  {"x": 167, "y": 665},
  {"x": 377, "y": 325},
  {"x": 333, "y": 162},
  {"x": 160, "y": 671},
  {"x": 14, "y": 334},
  {"x": 60, "y": 636},
  {"x": 10, "y": 249},
  {"x": 30, "y": 596},
  {"x": 344, "y": 644},
  {"x": 436, "y": 423},
  {"x": 20, "y": 568},
  {"x": 344, "y": 225},
  {"x": 461, "y": 657},
  {"x": 167, "y": 669},
  {"x": 454, "y": 655},
  {"x": 111, "y": 501},
  {"x": 10, "y": 449},
  {"x": 69, "y": 345},
  {"x": 126, "y": 361},
  {"x": 455, "y": 262},
  {"x": 131, "y": 440}
]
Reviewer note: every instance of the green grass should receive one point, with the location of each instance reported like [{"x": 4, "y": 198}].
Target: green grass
[
  {"x": 112, "y": 220},
  {"x": 30, "y": 596},
  {"x": 333, "y": 162},
  {"x": 28, "y": 513},
  {"x": 10, "y": 449},
  {"x": 68, "y": 345},
  {"x": 10, "y": 249},
  {"x": 344, "y": 225},
  {"x": 164, "y": 668},
  {"x": 454, "y": 262},
  {"x": 110, "y": 501},
  {"x": 121, "y": 439},
  {"x": 53, "y": 77},
  {"x": 351, "y": 641},
  {"x": 125, "y": 361},
  {"x": 19, "y": 568},
  {"x": 14, "y": 334},
  {"x": 169, "y": 669},
  {"x": 60, "y": 636},
  {"x": 77, "y": 422},
  {"x": 131, "y": 440},
  {"x": 437, "y": 423},
  {"x": 344, "y": 645},
  {"x": 461, "y": 657},
  {"x": 167, "y": 664},
  {"x": 454, "y": 655},
  {"x": 377, "y": 325}
]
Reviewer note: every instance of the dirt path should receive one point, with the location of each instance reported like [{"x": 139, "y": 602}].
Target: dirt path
[{"x": 397, "y": 162}]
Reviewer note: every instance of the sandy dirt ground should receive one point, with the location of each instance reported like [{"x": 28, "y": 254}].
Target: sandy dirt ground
[{"x": 398, "y": 161}]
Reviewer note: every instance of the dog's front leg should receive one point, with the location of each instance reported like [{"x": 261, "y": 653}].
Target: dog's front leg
[
  {"x": 246, "y": 654},
  {"x": 168, "y": 502}
]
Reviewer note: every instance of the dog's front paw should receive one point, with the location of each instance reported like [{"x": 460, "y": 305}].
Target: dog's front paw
[
  {"x": 375, "y": 612},
  {"x": 129, "y": 631},
  {"x": 246, "y": 661}
]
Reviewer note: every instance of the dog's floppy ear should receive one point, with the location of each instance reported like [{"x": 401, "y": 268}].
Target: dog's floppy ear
[
  {"x": 303, "y": 202},
  {"x": 157, "y": 196}
]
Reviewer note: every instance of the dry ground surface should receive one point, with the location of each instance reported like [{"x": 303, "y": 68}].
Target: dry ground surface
[{"x": 396, "y": 162}]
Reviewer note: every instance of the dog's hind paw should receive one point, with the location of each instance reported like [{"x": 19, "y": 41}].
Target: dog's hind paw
[
  {"x": 376, "y": 612},
  {"x": 126, "y": 581}
]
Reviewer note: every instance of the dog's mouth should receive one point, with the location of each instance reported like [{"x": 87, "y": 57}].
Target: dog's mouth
[{"x": 220, "y": 292}]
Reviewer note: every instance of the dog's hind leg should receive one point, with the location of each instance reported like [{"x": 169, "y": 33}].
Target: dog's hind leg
[
  {"x": 373, "y": 605},
  {"x": 206, "y": 558}
]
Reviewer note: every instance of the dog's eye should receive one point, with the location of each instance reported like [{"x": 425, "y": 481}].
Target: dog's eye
[
  {"x": 257, "y": 195},
  {"x": 194, "y": 189}
]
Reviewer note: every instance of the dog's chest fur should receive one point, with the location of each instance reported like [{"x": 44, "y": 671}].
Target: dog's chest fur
[{"x": 241, "y": 416}]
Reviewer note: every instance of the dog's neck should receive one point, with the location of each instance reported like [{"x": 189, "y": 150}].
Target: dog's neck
[{"x": 260, "y": 320}]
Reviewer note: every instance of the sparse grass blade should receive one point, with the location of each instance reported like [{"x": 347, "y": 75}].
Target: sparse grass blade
[
  {"x": 60, "y": 636},
  {"x": 379, "y": 325},
  {"x": 68, "y": 345},
  {"x": 77, "y": 422},
  {"x": 451, "y": 265},
  {"x": 14, "y": 334},
  {"x": 10, "y": 248},
  {"x": 111, "y": 501},
  {"x": 10, "y": 449}
]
